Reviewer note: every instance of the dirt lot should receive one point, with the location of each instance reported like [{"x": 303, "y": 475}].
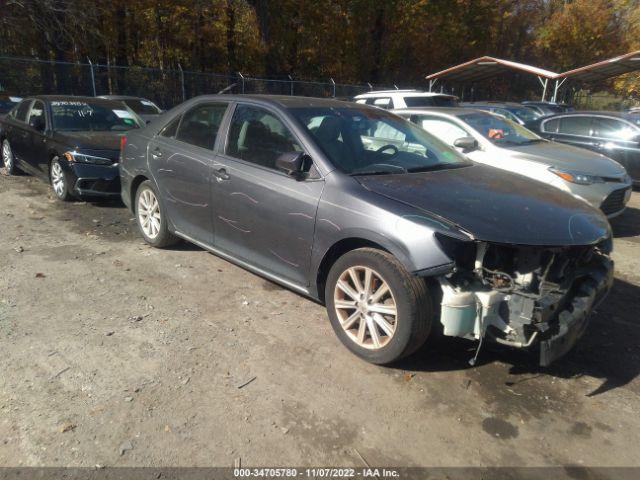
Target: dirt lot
[{"x": 117, "y": 354}]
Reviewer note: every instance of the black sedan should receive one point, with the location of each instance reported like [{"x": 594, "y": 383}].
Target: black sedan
[
  {"x": 613, "y": 134},
  {"x": 71, "y": 142}
]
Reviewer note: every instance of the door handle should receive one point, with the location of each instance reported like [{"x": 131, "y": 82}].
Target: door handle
[
  {"x": 156, "y": 153},
  {"x": 221, "y": 174}
]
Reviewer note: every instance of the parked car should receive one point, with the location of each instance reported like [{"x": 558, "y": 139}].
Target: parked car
[
  {"x": 547, "y": 108},
  {"x": 406, "y": 98},
  {"x": 501, "y": 143},
  {"x": 511, "y": 111},
  {"x": 71, "y": 142},
  {"x": 146, "y": 109},
  {"x": 7, "y": 102},
  {"x": 361, "y": 210},
  {"x": 614, "y": 134}
]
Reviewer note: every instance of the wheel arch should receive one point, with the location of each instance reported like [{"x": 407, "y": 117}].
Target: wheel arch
[
  {"x": 337, "y": 250},
  {"x": 135, "y": 184}
]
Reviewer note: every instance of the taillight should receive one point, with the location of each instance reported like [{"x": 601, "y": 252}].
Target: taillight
[{"x": 123, "y": 142}]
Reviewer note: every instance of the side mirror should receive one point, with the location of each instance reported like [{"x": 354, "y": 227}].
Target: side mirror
[
  {"x": 292, "y": 163},
  {"x": 37, "y": 123},
  {"x": 467, "y": 144}
]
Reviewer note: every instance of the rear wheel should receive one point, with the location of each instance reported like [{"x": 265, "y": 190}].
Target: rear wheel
[
  {"x": 59, "y": 181},
  {"x": 151, "y": 217},
  {"x": 378, "y": 310},
  {"x": 8, "y": 159}
]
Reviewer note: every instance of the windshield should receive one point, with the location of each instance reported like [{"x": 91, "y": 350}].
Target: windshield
[
  {"x": 142, "y": 107},
  {"x": 363, "y": 140},
  {"x": 524, "y": 113},
  {"x": 431, "y": 101},
  {"x": 499, "y": 130},
  {"x": 71, "y": 116}
]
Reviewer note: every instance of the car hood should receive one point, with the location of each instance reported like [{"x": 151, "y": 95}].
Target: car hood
[
  {"x": 496, "y": 206},
  {"x": 90, "y": 140},
  {"x": 569, "y": 158}
]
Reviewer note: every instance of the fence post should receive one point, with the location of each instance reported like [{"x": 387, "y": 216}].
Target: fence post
[
  {"x": 370, "y": 86},
  {"x": 184, "y": 93},
  {"x": 93, "y": 78},
  {"x": 333, "y": 84},
  {"x": 290, "y": 85},
  {"x": 242, "y": 81}
]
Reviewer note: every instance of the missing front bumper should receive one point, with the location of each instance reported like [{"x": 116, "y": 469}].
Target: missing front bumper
[{"x": 573, "y": 321}]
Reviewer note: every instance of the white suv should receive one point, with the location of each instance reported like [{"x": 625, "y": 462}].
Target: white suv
[{"x": 389, "y": 99}]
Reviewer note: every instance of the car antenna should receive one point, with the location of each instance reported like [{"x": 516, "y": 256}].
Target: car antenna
[{"x": 226, "y": 89}]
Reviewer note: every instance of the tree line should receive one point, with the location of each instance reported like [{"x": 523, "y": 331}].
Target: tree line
[{"x": 352, "y": 41}]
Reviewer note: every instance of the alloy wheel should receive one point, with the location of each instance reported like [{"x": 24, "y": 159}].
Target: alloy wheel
[
  {"x": 365, "y": 307},
  {"x": 149, "y": 213},
  {"x": 58, "y": 181},
  {"x": 7, "y": 156}
]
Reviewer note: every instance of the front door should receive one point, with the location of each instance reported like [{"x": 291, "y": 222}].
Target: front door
[
  {"x": 181, "y": 158},
  {"x": 262, "y": 215},
  {"x": 36, "y": 140}
]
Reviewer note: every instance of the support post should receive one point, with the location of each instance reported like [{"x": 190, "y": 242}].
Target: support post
[
  {"x": 370, "y": 86},
  {"x": 333, "y": 85},
  {"x": 242, "y": 81},
  {"x": 184, "y": 92},
  {"x": 544, "y": 84},
  {"x": 432, "y": 83},
  {"x": 555, "y": 90},
  {"x": 290, "y": 85},
  {"x": 93, "y": 77}
]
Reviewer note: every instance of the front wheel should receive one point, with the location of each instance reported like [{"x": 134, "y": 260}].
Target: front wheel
[
  {"x": 8, "y": 159},
  {"x": 377, "y": 309},
  {"x": 59, "y": 181},
  {"x": 151, "y": 217}
]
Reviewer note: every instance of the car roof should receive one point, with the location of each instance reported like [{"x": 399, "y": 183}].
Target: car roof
[
  {"x": 592, "y": 113},
  {"x": 70, "y": 98},
  {"x": 454, "y": 111},
  {"x": 286, "y": 101},
  {"x": 491, "y": 103},
  {"x": 404, "y": 93},
  {"x": 120, "y": 97}
]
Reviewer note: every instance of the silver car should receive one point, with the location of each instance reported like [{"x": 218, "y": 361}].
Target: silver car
[
  {"x": 499, "y": 142},
  {"x": 395, "y": 232}
]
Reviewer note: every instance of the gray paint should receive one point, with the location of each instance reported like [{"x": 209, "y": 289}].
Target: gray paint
[{"x": 282, "y": 228}]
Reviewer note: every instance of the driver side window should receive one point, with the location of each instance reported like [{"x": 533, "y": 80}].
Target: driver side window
[
  {"x": 36, "y": 116},
  {"x": 257, "y": 136},
  {"x": 443, "y": 129}
]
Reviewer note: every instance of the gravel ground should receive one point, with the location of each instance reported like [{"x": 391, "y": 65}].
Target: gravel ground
[{"x": 118, "y": 354}]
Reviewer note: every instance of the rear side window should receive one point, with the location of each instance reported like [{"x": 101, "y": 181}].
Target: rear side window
[
  {"x": 551, "y": 125},
  {"x": 23, "y": 109},
  {"x": 575, "y": 126},
  {"x": 434, "y": 101},
  {"x": 200, "y": 125},
  {"x": 381, "y": 102},
  {"x": 259, "y": 137}
]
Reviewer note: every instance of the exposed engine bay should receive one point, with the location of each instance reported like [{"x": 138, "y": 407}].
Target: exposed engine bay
[{"x": 522, "y": 295}]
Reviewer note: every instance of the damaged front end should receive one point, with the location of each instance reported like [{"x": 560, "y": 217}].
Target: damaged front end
[{"x": 523, "y": 296}]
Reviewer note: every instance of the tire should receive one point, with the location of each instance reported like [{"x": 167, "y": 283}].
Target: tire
[
  {"x": 151, "y": 217},
  {"x": 59, "y": 181},
  {"x": 397, "y": 335},
  {"x": 8, "y": 160}
]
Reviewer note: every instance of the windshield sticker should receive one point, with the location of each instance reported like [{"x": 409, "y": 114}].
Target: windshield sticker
[
  {"x": 128, "y": 121},
  {"x": 15, "y": 99},
  {"x": 65, "y": 103}
]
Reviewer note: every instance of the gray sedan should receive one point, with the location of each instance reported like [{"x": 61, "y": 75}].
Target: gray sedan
[{"x": 396, "y": 232}]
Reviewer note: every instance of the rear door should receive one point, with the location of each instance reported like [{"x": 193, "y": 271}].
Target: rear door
[
  {"x": 181, "y": 158},
  {"x": 17, "y": 132},
  {"x": 574, "y": 130},
  {"x": 263, "y": 216},
  {"x": 36, "y": 140}
]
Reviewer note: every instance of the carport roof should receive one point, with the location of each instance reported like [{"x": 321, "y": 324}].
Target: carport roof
[
  {"x": 486, "y": 67},
  {"x": 605, "y": 69}
]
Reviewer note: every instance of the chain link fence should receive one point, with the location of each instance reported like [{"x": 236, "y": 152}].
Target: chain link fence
[{"x": 167, "y": 87}]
